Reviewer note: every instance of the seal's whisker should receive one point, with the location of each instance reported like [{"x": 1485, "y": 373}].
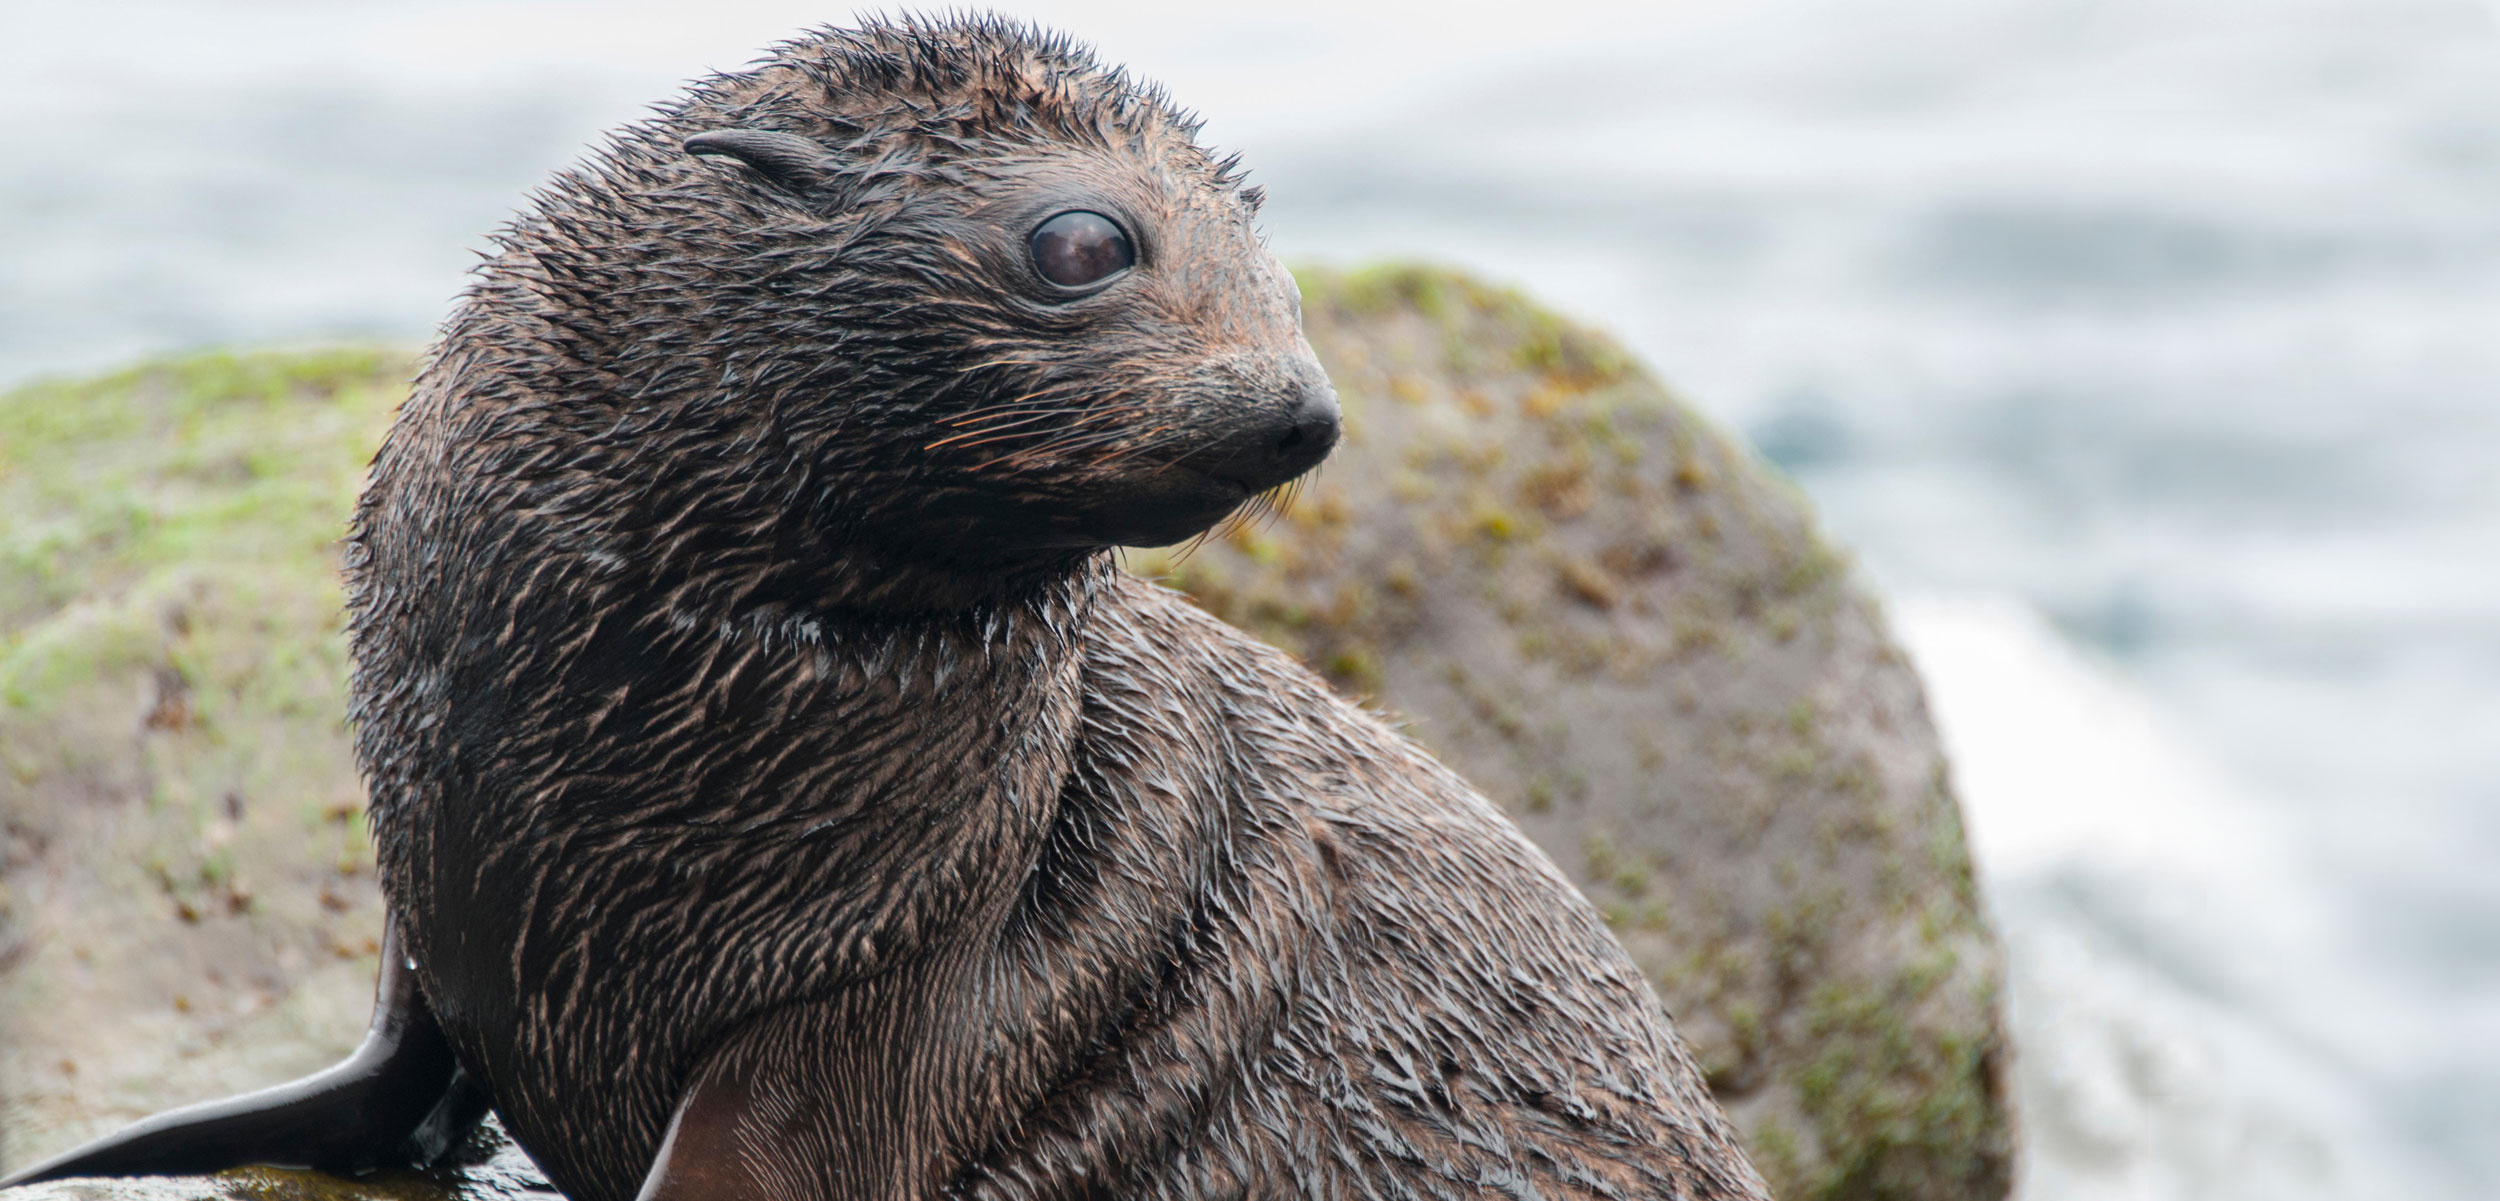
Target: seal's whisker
[
  {"x": 1063, "y": 397},
  {"x": 1067, "y": 445},
  {"x": 1081, "y": 432},
  {"x": 1278, "y": 501},
  {"x": 1084, "y": 430},
  {"x": 987, "y": 416},
  {"x": 1246, "y": 517},
  {"x": 1145, "y": 442},
  {"x": 969, "y": 368},
  {"x": 998, "y": 431},
  {"x": 1005, "y": 406},
  {"x": 1191, "y": 547},
  {"x": 1083, "y": 413},
  {"x": 1031, "y": 454},
  {"x": 1005, "y": 429},
  {"x": 1168, "y": 464}
]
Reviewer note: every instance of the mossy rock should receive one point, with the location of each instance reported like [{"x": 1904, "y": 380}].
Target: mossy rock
[
  {"x": 1602, "y": 612},
  {"x": 1627, "y": 630},
  {"x": 184, "y": 871}
]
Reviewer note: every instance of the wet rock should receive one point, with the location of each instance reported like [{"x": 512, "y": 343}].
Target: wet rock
[{"x": 1611, "y": 618}]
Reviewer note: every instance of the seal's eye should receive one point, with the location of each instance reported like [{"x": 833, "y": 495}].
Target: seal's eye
[{"x": 1081, "y": 248}]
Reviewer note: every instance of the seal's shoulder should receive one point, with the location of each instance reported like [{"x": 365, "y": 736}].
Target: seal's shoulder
[{"x": 1300, "y": 746}]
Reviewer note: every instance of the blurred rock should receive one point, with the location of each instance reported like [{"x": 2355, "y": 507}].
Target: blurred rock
[{"x": 1611, "y": 619}]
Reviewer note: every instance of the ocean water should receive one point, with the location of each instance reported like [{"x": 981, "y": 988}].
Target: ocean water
[{"x": 2147, "y": 352}]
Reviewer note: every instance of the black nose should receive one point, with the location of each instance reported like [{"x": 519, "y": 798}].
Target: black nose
[
  {"x": 1310, "y": 431},
  {"x": 1271, "y": 440}
]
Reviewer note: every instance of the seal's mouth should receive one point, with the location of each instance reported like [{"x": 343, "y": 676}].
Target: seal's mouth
[
  {"x": 1149, "y": 493},
  {"x": 1256, "y": 456},
  {"x": 1272, "y": 446},
  {"x": 1169, "y": 506}
]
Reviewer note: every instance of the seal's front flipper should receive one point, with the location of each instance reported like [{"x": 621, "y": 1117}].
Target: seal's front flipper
[
  {"x": 400, "y": 1100},
  {"x": 706, "y": 1155},
  {"x": 748, "y": 1129}
]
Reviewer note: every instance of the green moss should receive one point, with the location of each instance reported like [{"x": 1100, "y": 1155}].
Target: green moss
[
  {"x": 1262, "y": 549},
  {"x": 1775, "y": 1150},
  {"x": 207, "y": 459},
  {"x": 1572, "y": 353},
  {"x": 1355, "y": 668},
  {"x": 1388, "y": 287},
  {"x": 1489, "y": 520},
  {"x": 1900, "y": 1115},
  {"x": 1948, "y": 851},
  {"x": 1812, "y": 569}
]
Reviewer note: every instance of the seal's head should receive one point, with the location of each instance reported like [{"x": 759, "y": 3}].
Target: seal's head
[{"x": 922, "y": 300}]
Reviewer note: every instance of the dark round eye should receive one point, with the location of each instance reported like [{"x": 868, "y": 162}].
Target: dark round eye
[{"x": 1080, "y": 248}]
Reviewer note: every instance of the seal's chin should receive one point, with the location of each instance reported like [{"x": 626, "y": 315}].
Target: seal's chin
[
  {"x": 1118, "y": 500},
  {"x": 1170, "y": 507},
  {"x": 979, "y": 529},
  {"x": 1260, "y": 449}
]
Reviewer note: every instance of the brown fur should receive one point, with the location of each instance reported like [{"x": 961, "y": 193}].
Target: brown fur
[{"x": 750, "y": 707}]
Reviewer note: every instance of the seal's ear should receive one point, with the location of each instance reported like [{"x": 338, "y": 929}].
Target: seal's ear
[{"x": 791, "y": 162}]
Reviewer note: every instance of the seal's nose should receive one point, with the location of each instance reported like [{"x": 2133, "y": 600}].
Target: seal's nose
[
  {"x": 1311, "y": 430},
  {"x": 1269, "y": 439}
]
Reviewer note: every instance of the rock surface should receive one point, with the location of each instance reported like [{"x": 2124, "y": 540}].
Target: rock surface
[{"x": 1601, "y": 611}]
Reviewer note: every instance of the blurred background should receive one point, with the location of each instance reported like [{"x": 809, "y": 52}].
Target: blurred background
[{"x": 2147, "y": 352}]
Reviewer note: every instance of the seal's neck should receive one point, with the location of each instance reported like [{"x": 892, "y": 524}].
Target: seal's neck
[
  {"x": 946, "y": 744},
  {"x": 757, "y": 809},
  {"x": 1057, "y": 943},
  {"x": 930, "y": 743}
]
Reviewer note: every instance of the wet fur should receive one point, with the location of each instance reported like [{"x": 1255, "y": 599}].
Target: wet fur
[{"x": 749, "y": 704}]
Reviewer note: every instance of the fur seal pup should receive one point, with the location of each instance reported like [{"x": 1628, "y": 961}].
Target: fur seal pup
[{"x": 780, "y": 794}]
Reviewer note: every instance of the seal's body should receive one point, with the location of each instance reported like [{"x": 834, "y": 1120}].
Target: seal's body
[
  {"x": 1129, "y": 905},
  {"x": 780, "y": 794}
]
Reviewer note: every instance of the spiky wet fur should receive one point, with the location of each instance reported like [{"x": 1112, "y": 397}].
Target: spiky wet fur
[{"x": 729, "y": 715}]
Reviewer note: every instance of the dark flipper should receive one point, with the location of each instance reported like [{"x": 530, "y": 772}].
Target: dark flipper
[
  {"x": 401, "y": 1100},
  {"x": 705, "y": 1156},
  {"x": 750, "y": 1128}
]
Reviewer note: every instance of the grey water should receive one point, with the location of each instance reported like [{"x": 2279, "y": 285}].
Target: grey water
[{"x": 2146, "y": 351}]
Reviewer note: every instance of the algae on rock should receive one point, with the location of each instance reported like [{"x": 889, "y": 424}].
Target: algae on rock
[{"x": 1599, "y": 610}]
